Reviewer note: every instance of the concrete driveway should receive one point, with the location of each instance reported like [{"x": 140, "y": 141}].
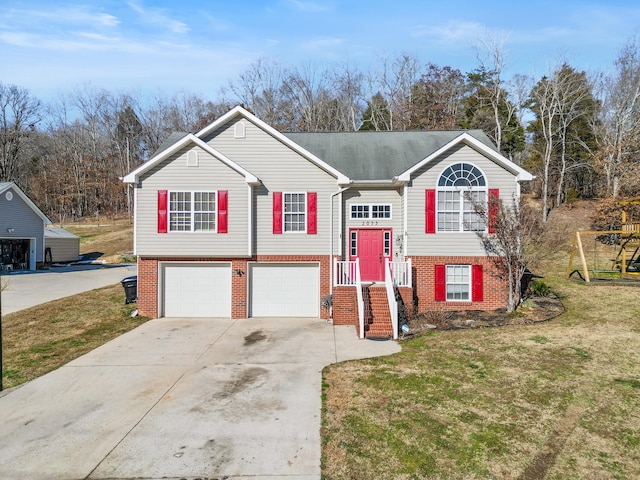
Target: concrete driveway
[
  {"x": 182, "y": 398},
  {"x": 28, "y": 288}
]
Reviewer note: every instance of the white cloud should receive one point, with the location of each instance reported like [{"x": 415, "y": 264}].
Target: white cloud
[
  {"x": 159, "y": 18},
  {"x": 452, "y": 32}
]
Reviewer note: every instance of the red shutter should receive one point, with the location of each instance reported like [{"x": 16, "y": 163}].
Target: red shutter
[
  {"x": 476, "y": 283},
  {"x": 312, "y": 198},
  {"x": 222, "y": 211},
  {"x": 162, "y": 211},
  {"x": 277, "y": 212},
  {"x": 430, "y": 211},
  {"x": 440, "y": 283},
  {"x": 492, "y": 208}
]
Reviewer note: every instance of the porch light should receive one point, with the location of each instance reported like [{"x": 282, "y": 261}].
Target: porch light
[{"x": 11, "y": 229}]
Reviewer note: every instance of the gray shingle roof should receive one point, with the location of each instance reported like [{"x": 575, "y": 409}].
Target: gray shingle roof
[{"x": 377, "y": 155}]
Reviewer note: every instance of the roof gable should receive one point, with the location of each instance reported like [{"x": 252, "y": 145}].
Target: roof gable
[
  {"x": 184, "y": 141},
  {"x": 6, "y": 186},
  {"x": 469, "y": 140},
  {"x": 311, "y": 156}
]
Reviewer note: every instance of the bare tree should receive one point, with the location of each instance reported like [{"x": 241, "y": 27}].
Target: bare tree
[
  {"x": 618, "y": 125},
  {"x": 19, "y": 114},
  {"x": 559, "y": 102},
  {"x": 395, "y": 80},
  {"x": 516, "y": 229}
]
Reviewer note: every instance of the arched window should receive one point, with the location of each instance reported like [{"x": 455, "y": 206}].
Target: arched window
[{"x": 461, "y": 187}]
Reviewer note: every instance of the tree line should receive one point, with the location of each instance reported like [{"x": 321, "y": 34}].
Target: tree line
[{"x": 578, "y": 132}]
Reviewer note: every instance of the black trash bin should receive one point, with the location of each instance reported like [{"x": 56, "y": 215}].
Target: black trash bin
[{"x": 130, "y": 285}]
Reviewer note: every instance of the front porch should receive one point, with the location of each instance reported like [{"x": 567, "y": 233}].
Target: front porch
[{"x": 373, "y": 307}]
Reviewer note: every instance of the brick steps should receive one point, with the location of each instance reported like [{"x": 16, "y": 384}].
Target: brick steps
[{"x": 377, "y": 315}]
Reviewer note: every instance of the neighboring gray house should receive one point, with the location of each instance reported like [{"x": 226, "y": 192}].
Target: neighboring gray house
[
  {"x": 21, "y": 230},
  {"x": 61, "y": 245}
]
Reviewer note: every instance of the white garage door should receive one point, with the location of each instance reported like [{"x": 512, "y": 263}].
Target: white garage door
[
  {"x": 197, "y": 290},
  {"x": 285, "y": 290}
]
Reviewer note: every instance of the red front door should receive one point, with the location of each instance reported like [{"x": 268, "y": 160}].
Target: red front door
[{"x": 371, "y": 252}]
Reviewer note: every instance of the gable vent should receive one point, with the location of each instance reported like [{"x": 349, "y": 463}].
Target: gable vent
[
  {"x": 192, "y": 158},
  {"x": 239, "y": 130}
]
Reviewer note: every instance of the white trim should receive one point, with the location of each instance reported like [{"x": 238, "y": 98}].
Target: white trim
[
  {"x": 251, "y": 265},
  {"x": 461, "y": 211},
  {"x": 192, "y": 158},
  {"x": 370, "y": 211},
  {"x": 467, "y": 139},
  {"x": 305, "y": 213},
  {"x": 251, "y": 221},
  {"x": 469, "y": 283},
  {"x": 161, "y": 277},
  {"x": 405, "y": 227},
  {"x": 135, "y": 220},
  {"x": 239, "y": 130},
  {"x": 134, "y": 176},
  {"x": 238, "y": 110},
  {"x": 192, "y": 211}
]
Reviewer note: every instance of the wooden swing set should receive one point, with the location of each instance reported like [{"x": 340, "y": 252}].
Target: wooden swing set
[{"x": 626, "y": 263}]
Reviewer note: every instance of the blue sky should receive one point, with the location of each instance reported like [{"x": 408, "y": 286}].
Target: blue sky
[{"x": 198, "y": 46}]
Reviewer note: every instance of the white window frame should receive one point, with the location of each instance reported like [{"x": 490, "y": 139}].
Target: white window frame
[
  {"x": 353, "y": 243},
  {"x": 190, "y": 214},
  {"x": 453, "y": 279},
  {"x": 364, "y": 211},
  {"x": 386, "y": 243},
  {"x": 454, "y": 210},
  {"x": 302, "y": 215}
]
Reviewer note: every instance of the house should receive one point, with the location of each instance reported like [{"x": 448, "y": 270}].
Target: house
[
  {"x": 22, "y": 225},
  {"x": 239, "y": 220}
]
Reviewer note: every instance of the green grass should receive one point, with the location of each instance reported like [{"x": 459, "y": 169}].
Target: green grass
[
  {"x": 40, "y": 339},
  {"x": 489, "y": 403}
]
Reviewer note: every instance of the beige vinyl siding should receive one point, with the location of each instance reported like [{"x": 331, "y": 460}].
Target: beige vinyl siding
[
  {"x": 26, "y": 223},
  {"x": 280, "y": 169},
  {"x": 174, "y": 174},
  {"x": 457, "y": 243},
  {"x": 374, "y": 196},
  {"x": 63, "y": 249}
]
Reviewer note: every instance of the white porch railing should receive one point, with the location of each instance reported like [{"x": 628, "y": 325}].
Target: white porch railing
[
  {"x": 400, "y": 273},
  {"x": 345, "y": 272},
  {"x": 391, "y": 297},
  {"x": 360, "y": 298}
]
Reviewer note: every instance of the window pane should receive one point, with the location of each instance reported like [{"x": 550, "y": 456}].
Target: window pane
[
  {"x": 295, "y": 212},
  {"x": 381, "y": 211},
  {"x": 458, "y": 282},
  {"x": 359, "y": 211}
]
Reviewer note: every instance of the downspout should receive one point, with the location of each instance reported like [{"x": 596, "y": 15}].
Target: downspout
[
  {"x": 405, "y": 234},
  {"x": 339, "y": 192},
  {"x": 251, "y": 222}
]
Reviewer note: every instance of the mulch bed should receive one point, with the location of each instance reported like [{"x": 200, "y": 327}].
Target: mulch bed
[{"x": 534, "y": 310}]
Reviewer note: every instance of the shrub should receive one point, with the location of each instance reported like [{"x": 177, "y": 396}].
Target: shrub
[{"x": 540, "y": 289}]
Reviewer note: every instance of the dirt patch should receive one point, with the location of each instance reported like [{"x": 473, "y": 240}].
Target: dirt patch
[
  {"x": 534, "y": 310},
  {"x": 546, "y": 457}
]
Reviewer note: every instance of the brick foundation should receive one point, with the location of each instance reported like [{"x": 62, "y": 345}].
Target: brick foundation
[
  {"x": 345, "y": 310},
  {"x": 495, "y": 293}
]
